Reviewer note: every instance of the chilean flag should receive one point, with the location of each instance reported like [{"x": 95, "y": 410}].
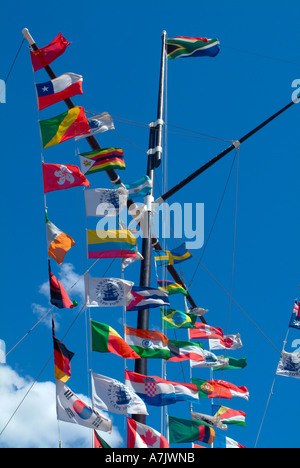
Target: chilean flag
[{"x": 58, "y": 89}]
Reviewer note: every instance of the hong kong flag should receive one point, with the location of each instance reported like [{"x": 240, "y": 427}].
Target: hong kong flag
[
  {"x": 42, "y": 57},
  {"x": 59, "y": 177},
  {"x": 141, "y": 436}
]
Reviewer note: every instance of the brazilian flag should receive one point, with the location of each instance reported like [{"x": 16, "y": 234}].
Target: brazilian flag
[{"x": 172, "y": 318}]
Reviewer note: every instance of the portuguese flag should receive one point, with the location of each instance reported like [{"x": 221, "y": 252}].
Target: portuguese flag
[
  {"x": 185, "y": 430},
  {"x": 64, "y": 126},
  {"x": 219, "y": 389},
  {"x": 106, "y": 340}
]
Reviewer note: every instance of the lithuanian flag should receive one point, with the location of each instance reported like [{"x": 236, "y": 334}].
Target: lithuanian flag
[
  {"x": 172, "y": 288},
  {"x": 63, "y": 127},
  {"x": 106, "y": 340}
]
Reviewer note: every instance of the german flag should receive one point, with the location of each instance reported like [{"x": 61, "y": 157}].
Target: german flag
[{"x": 62, "y": 358}]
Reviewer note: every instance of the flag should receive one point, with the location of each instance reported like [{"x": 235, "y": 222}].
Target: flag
[
  {"x": 71, "y": 409},
  {"x": 111, "y": 244},
  {"x": 229, "y": 416},
  {"x": 98, "y": 124},
  {"x": 211, "y": 420},
  {"x": 199, "y": 311},
  {"x": 232, "y": 364},
  {"x": 140, "y": 188},
  {"x": 289, "y": 365},
  {"x": 147, "y": 343},
  {"x": 192, "y": 47},
  {"x": 185, "y": 430},
  {"x": 172, "y": 318},
  {"x": 158, "y": 392},
  {"x": 185, "y": 350},
  {"x": 147, "y": 298},
  {"x": 219, "y": 389},
  {"x": 106, "y": 340},
  {"x": 210, "y": 360},
  {"x": 59, "y": 177},
  {"x": 295, "y": 318},
  {"x": 141, "y": 436},
  {"x": 217, "y": 340},
  {"x": 222, "y": 442},
  {"x": 105, "y": 202},
  {"x": 227, "y": 342},
  {"x": 171, "y": 257},
  {"x": 115, "y": 397},
  {"x": 42, "y": 57},
  {"x": 107, "y": 292},
  {"x": 172, "y": 288},
  {"x": 98, "y": 442},
  {"x": 58, "y": 89},
  {"x": 58, "y": 294},
  {"x": 125, "y": 262},
  {"x": 64, "y": 126},
  {"x": 102, "y": 160},
  {"x": 58, "y": 242},
  {"x": 62, "y": 359}
]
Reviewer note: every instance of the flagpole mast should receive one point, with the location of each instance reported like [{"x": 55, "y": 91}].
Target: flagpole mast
[
  {"x": 154, "y": 160},
  {"x": 234, "y": 145},
  {"x": 115, "y": 179}
]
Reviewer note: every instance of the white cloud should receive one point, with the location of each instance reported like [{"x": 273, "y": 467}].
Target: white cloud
[{"x": 34, "y": 425}]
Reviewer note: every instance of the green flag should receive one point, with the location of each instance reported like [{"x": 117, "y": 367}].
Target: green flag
[
  {"x": 172, "y": 318},
  {"x": 233, "y": 364},
  {"x": 185, "y": 430}
]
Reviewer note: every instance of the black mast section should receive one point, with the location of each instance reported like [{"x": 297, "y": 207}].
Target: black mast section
[
  {"x": 154, "y": 160},
  {"x": 217, "y": 158}
]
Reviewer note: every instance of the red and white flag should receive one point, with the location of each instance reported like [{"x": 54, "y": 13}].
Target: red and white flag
[
  {"x": 235, "y": 391},
  {"x": 217, "y": 340},
  {"x": 58, "y": 89},
  {"x": 141, "y": 436},
  {"x": 59, "y": 177}
]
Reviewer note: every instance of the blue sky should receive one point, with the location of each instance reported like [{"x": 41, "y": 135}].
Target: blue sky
[{"x": 116, "y": 46}]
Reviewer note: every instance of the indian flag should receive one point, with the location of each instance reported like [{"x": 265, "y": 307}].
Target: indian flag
[
  {"x": 230, "y": 416},
  {"x": 147, "y": 343},
  {"x": 106, "y": 340}
]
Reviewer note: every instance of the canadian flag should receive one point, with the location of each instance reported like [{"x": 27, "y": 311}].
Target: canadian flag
[{"x": 141, "y": 436}]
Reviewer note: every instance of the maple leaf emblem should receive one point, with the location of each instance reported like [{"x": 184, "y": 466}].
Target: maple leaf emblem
[{"x": 149, "y": 439}]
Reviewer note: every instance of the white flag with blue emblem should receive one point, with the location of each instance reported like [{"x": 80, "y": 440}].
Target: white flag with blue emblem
[
  {"x": 115, "y": 397},
  {"x": 107, "y": 292},
  {"x": 98, "y": 124},
  {"x": 289, "y": 365},
  {"x": 105, "y": 202}
]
